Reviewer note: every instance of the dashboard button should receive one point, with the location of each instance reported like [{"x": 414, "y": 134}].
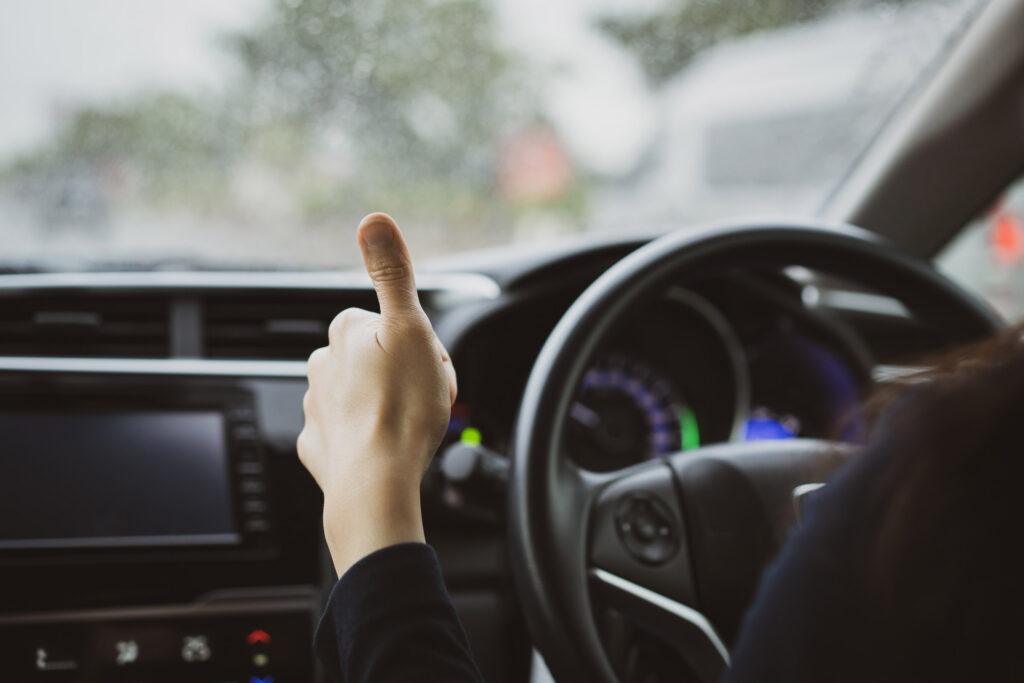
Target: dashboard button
[
  {"x": 251, "y": 505},
  {"x": 196, "y": 649},
  {"x": 245, "y": 432},
  {"x": 241, "y": 413},
  {"x": 253, "y": 486},
  {"x": 256, "y": 524},
  {"x": 50, "y": 659},
  {"x": 126, "y": 652},
  {"x": 258, "y": 636},
  {"x": 248, "y": 455},
  {"x": 250, "y": 467}
]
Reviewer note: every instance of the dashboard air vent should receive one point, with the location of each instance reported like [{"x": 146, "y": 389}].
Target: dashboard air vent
[
  {"x": 84, "y": 326},
  {"x": 274, "y": 325}
]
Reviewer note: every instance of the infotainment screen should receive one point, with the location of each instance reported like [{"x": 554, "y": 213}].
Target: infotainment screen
[{"x": 114, "y": 479}]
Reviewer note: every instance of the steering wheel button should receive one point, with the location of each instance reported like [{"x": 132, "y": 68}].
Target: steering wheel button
[
  {"x": 645, "y": 526},
  {"x": 656, "y": 554},
  {"x": 646, "y": 529}
]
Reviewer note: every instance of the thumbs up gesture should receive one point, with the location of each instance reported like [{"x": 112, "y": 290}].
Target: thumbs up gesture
[{"x": 379, "y": 399}]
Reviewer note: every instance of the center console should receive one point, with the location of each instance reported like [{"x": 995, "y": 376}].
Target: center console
[{"x": 151, "y": 531}]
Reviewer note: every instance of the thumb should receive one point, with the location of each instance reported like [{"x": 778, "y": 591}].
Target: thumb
[{"x": 390, "y": 268}]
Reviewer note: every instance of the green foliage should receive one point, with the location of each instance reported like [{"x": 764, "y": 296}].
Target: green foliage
[
  {"x": 336, "y": 101},
  {"x": 667, "y": 41},
  {"x": 418, "y": 85},
  {"x": 171, "y": 143}
]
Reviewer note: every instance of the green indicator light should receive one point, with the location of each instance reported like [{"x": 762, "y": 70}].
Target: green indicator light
[
  {"x": 471, "y": 436},
  {"x": 689, "y": 430}
]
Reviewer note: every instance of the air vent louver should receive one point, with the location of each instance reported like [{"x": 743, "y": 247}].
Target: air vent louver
[
  {"x": 84, "y": 326},
  {"x": 272, "y": 325}
]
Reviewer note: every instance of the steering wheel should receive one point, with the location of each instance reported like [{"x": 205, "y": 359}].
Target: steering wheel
[{"x": 676, "y": 545}]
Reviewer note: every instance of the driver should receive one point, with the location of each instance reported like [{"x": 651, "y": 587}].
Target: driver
[{"x": 904, "y": 568}]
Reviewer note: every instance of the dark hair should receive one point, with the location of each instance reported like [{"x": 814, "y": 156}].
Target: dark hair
[{"x": 948, "y": 517}]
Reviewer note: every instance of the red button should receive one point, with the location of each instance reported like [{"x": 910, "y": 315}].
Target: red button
[{"x": 258, "y": 636}]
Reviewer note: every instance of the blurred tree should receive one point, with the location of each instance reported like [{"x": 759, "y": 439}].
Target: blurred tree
[
  {"x": 340, "y": 102},
  {"x": 167, "y": 142},
  {"x": 414, "y": 86},
  {"x": 666, "y": 41}
]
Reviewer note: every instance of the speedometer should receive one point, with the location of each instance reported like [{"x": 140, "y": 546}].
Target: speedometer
[{"x": 625, "y": 412}]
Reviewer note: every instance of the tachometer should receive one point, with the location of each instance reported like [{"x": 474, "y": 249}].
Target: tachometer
[{"x": 626, "y": 412}]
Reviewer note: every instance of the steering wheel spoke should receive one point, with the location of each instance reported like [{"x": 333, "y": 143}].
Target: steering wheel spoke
[
  {"x": 685, "y": 629},
  {"x": 639, "y": 564}
]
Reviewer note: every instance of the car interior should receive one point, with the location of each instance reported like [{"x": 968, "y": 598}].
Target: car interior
[{"x": 639, "y": 415}]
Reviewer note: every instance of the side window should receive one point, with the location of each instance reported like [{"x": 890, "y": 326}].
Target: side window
[{"x": 987, "y": 257}]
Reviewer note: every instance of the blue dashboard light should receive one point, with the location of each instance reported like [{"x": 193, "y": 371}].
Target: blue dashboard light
[{"x": 766, "y": 429}]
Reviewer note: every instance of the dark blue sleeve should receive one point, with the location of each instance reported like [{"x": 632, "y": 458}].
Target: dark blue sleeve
[
  {"x": 390, "y": 619},
  {"x": 811, "y": 619}
]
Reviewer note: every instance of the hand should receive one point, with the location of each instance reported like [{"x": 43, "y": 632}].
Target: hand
[{"x": 379, "y": 399}]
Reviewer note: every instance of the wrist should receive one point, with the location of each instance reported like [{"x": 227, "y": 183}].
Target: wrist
[{"x": 377, "y": 510}]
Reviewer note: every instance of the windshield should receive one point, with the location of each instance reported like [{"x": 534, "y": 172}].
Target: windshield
[{"x": 256, "y": 133}]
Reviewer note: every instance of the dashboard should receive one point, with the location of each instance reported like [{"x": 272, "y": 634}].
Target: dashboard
[
  {"x": 737, "y": 358},
  {"x": 155, "y": 523}
]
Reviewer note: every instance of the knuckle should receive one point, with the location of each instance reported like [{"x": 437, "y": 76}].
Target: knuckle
[
  {"x": 390, "y": 271},
  {"x": 445, "y": 357},
  {"x": 314, "y": 360},
  {"x": 343, "y": 322},
  {"x": 302, "y": 446},
  {"x": 338, "y": 324}
]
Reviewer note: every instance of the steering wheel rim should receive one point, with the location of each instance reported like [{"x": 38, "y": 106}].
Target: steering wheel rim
[{"x": 552, "y": 500}]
